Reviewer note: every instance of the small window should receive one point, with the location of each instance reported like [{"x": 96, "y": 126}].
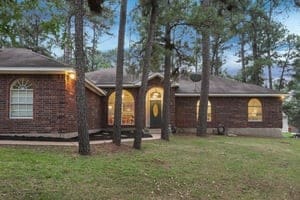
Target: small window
[
  {"x": 208, "y": 110},
  {"x": 127, "y": 108},
  {"x": 21, "y": 99},
  {"x": 254, "y": 110}
]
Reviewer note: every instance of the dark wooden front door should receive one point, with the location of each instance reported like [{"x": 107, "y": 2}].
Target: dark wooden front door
[{"x": 155, "y": 113}]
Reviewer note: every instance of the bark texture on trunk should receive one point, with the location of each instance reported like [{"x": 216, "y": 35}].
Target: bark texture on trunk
[
  {"x": 202, "y": 119},
  {"x": 119, "y": 75},
  {"x": 67, "y": 45},
  {"x": 83, "y": 136},
  {"x": 244, "y": 78},
  {"x": 145, "y": 72},
  {"x": 167, "y": 85}
]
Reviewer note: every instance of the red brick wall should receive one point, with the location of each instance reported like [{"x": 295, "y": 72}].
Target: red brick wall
[
  {"x": 94, "y": 110},
  {"x": 230, "y": 111},
  {"x": 49, "y": 105},
  {"x": 54, "y": 106}
]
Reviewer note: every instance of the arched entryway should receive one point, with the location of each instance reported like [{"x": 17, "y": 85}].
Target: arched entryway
[{"x": 154, "y": 103}]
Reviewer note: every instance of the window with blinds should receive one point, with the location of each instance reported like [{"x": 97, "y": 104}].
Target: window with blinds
[{"x": 21, "y": 99}]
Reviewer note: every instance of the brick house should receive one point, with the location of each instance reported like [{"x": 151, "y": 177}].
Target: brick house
[
  {"x": 37, "y": 97},
  {"x": 243, "y": 109}
]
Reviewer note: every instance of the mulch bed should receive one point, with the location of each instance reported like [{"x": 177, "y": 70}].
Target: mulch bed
[{"x": 103, "y": 135}]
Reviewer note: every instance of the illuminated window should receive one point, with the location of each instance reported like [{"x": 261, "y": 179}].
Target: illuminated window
[
  {"x": 127, "y": 108},
  {"x": 254, "y": 110},
  {"x": 21, "y": 99},
  {"x": 208, "y": 110}
]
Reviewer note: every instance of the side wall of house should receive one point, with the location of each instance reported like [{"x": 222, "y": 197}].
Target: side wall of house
[
  {"x": 48, "y": 105},
  {"x": 54, "y": 106},
  {"x": 94, "y": 110},
  {"x": 232, "y": 112}
]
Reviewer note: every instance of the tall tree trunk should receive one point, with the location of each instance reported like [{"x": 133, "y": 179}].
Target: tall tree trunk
[
  {"x": 167, "y": 84},
  {"x": 94, "y": 47},
  {"x": 284, "y": 67},
  {"x": 270, "y": 70},
  {"x": 215, "y": 61},
  {"x": 269, "y": 45},
  {"x": 37, "y": 32},
  {"x": 256, "y": 71},
  {"x": 83, "y": 136},
  {"x": 243, "y": 57},
  {"x": 202, "y": 119},
  {"x": 119, "y": 75},
  {"x": 67, "y": 45},
  {"x": 145, "y": 72}
]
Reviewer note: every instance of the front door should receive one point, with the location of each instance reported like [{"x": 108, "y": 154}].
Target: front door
[{"x": 155, "y": 113}]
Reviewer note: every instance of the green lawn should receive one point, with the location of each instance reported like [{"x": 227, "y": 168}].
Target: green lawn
[{"x": 187, "y": 167}]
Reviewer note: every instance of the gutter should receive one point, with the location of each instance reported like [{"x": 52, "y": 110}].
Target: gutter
[
  {"x": 34, "y": 70},
  {"x": 90, "y": 85}
]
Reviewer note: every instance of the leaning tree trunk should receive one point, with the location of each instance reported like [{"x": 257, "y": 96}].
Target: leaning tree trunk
[
  {"x": 167, "y": 85},
  {"x": 202, "y": 119},
  {"x": 119, "y": 75},
  {"x": 83, "y": 136},
  {"x": 145, "y": 72}
]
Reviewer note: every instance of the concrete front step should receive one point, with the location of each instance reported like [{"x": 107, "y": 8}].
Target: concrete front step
[{"x": 155, "y": 131}]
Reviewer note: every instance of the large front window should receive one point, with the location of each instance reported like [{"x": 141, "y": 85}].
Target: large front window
[
  {"x": 21, "y": 99},
  {"x": 254, "y": 110},
  {"x": 208, "y": 110},
  {"x": 127, "y": 108}
]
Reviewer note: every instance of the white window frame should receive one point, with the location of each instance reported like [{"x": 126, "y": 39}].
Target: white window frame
[{"x": 27, "y": 89}]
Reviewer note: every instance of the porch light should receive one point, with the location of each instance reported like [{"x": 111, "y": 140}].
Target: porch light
[
  {"x": 72, "y": 75},
  {"x": 155, "y": 95}
]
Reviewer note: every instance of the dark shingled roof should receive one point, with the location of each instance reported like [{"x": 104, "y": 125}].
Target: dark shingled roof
[
  {"x": 107, "y": 76},
  {"x": 18, "y": 57},
  {"x": 218, "y": 85}
]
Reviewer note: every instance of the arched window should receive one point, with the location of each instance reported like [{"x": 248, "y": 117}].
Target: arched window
[
  {"x": 254, "y": 110},
  {"x": 21, "y": 99},
  {"x": 208, "y": 110},
  {"x": 127, "y": 108}
]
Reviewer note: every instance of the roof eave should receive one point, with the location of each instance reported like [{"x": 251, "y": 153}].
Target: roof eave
[
  {"x": 90, "y": 85},
  {"x": 114, "y": 85},
  {"x": 35, "y": 70}
]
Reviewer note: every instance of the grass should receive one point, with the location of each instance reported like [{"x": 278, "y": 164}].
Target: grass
[
  {"x": 287, "y": 135},
  {"x": 187, "y": 167}
]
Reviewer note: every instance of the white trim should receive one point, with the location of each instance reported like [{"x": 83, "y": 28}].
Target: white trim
[
  {"x": 229, "y": 95},
  {"x": 20, "y": 117},
  {"x": 136, "y": 85},
  {"x": 90, "y": 85},
  {"x": 34, "y": 70},
  {"x": 113, "y": 85},
  {"x": 156, "y": 74},
  {"x": 152, "y": 76}
]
